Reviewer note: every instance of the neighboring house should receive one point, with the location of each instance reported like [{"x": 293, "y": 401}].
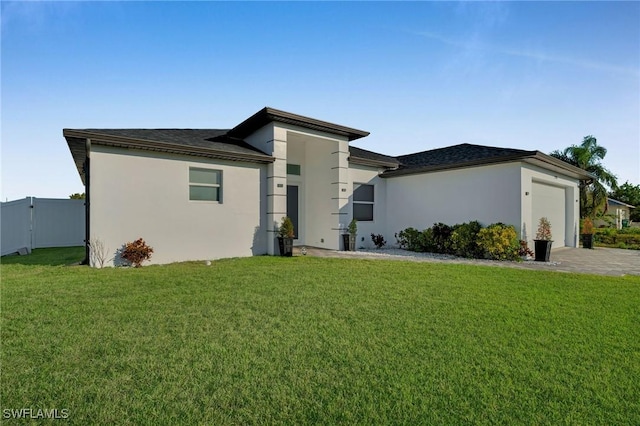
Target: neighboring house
[
  {"x": 206, "y": 194},
  {"x": 616, "y": 215}
]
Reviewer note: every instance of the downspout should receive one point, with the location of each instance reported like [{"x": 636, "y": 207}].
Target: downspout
[{"x": 87, "y": 199}]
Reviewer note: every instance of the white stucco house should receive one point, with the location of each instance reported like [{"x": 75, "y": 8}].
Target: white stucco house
[{"x": 213, "y": 193}]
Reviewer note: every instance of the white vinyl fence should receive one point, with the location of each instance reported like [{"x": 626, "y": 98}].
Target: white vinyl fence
[{"x": 41, "y": 222}]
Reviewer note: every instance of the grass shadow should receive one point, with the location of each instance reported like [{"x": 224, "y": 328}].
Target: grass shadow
[{"x": 55, "y": 256}]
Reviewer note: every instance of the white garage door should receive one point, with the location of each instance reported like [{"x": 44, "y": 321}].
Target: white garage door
[{"x": 549, "y": 201}]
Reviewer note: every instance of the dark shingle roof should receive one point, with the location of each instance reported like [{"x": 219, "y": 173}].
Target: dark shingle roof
[
  {"x": 455, "y": 156},
  {"x": 370, "y": 158},
  {"x": 211, "y": 143},
  {"x": 458, "y": 154},
  {"x": 215, "y": 139},
  {"x": 468, "y": 155}
]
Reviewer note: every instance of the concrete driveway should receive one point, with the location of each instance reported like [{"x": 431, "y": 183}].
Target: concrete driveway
[{"x": 599, "y": 261}]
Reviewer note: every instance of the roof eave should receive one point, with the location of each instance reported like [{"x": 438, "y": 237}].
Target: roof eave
[
  {"x": 443, "y": 167},
  {"x": 148, "y": 145},
  {"x": 372, "y": 163},
  {"x": 268, "y": 115},
  {"x": 557, "y": 164}
]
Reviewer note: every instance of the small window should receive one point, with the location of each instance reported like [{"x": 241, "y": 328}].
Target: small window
[
  {"x": 293, "y": 169},
  {"x": 363, "y": 200},
  {"x": 205, "y": 184}
]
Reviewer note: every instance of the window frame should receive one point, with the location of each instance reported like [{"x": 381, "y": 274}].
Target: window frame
[
  {"x": 206, "y": 185},
  {"x": 367, "y": 203}
]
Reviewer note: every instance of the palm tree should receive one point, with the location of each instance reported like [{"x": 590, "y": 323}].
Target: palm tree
[{"x": 587, "y": 156}]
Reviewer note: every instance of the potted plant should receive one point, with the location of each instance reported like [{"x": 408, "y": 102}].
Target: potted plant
[
  {"x": 285, "y": 237},
  {"x": 587, "y": 233},
  {"x": 349, "y": 239},
  {"x": 543, "y": 240}
]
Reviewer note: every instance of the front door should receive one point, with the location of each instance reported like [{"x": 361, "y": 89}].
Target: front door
[{"x": 292, "y": 207}]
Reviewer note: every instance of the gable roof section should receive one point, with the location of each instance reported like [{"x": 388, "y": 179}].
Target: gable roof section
[
  {"x": 268, "y": 115},
  {"x": 370, "y": 158},
  {"x": 468, "y": 155},
  {"x": 211, "y": 143},
  {"x": 620, "y": 203}
]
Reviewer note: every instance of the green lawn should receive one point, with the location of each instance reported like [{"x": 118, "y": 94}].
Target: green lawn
[{"x": 311, "y": 340}]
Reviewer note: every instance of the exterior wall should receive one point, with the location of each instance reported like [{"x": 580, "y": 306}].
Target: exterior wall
[
  {"x": 324, "y": 170},
  {"x": 529, "y": 225},
  {"x": 140, "y": 194},
  {"x": 273, "y": 141},
  {"x": 323, "y": 184},
  {"x": 487, "y": 194},
  {"x": 369, "y": 176}
]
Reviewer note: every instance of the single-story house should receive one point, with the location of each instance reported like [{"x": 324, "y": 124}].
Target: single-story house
[
  {"x": 210, "y": 193},
  {"x": 616, "y": 215}
]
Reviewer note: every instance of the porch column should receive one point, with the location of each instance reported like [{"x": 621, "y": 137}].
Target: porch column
[
  {"x": 340, "y": 190},
  {"x": 273, "y": 141}
]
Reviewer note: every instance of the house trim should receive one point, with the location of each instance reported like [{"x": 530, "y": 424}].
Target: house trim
[{"x": 268, "y": 115}]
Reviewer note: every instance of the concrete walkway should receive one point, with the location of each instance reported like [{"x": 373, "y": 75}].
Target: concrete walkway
[{"x": 599, "y": 261}]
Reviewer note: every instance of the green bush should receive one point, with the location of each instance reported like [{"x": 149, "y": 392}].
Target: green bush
[
  {"x": 464, "y": 240},
  {"x": 499, "y": 242},
  {"x": 442, "y": 238},
  {"x": 408, "y": 239}
]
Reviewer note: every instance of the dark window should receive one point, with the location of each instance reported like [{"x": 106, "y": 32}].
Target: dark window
[
  {"x": 363, "y": 200},
  {"x": 293, "y": 169}
]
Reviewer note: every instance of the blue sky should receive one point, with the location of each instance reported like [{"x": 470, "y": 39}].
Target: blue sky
[{"x": 418, "y": 75}]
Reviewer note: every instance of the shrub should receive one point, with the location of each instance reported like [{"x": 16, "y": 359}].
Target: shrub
[
  {"x": 464, "y": 240},
  {"x": 352, "y": 229},
  {"x": 286, "y": 228},
  {"x": 499, "y": 242},
  {"x": 378, "y": 240},
  {"x": 426, "y": 241},
  {"x": 587, "y": 226},
  {"x": 442, "y": 238},
  {"x": 408, "y": 239},
  {"x": 136, "y": 252},
  {"x": 544, "y": 229}
]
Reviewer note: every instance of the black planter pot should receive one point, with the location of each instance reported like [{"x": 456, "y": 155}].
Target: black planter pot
[
  {"x": 286, "y": 246},
  {"x": 349, "y": 242},
  {"x": 587, "y": 241},
  {"x": 543, "y": 250}
]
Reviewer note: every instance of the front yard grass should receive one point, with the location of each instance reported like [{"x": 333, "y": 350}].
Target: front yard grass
[{"x": 314, "y": 340}]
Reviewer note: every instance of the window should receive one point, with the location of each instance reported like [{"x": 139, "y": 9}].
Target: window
[
  {"x": 293, "y": 169},
  {"x": 205, "y": 184},
  {"x": 363, "y": 202}
]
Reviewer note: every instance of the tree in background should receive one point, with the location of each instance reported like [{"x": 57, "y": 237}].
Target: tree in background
[
  {"x": 588, "y": 156},
  {"x": 629, "y": 194},
  {"x": 77, "y": 196}
]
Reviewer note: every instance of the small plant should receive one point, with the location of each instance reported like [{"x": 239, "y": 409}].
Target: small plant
[
  {"x": 136, "y": 252},
  {"x": 98, "y": 253},
  {"x": 378, "y": 240},
  {"x": 544, "y": 230},
  {"x": 286, "y": 229},
  {"x": 352, "y": 229},
  {"x": 587, "y": 226},
  {"x": 524, "y": 250}
]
